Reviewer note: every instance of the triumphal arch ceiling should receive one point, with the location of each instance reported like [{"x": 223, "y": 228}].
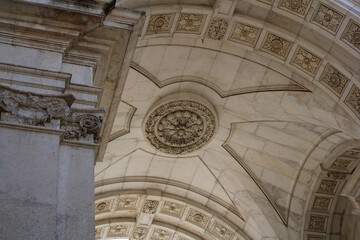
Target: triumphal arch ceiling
[{"x": 239, "y": 119}]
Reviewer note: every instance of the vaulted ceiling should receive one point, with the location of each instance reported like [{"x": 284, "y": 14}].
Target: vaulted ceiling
[{"x": 239, "y": 119}]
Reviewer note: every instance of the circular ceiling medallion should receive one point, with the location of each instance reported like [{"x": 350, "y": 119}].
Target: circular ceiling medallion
[{"x": 180, "y": 123}]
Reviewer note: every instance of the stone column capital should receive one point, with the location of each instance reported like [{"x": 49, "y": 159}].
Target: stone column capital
[{"x": 51, "y": 111}]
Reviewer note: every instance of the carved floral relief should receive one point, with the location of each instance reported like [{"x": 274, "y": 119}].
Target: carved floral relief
[
  {"x": 322, "y": 204},
  {"x": 160, "y": 23},
  {"x": 318, "y": 223},
  {"x": 328, "y": 187},
  {"x": 353, "y": 100},
  {"x": 221, "y": 232},
  {"x": 245, "y": 34},
  {"x": 172, "y": 209},
  {"x": 306, "y": 61},
  {"x": 351, "y": 34},
  {"x": 140, "y": 233},
  {"x": 197, "y": 218},
  {"x": 127, "y": 202},
  {"x": 119, "y": 230},
  {"x": 103, "y": 206},
  {"x": 217, "y": 29},
  {"x": 150, "y": 206},
  {"x": 298, "y": 7},
  {"x": 276, "y": 46},
  {"x": 161, "y": 234},
  {"x": 180, "y": 126},
  {"x": 190, "y": 23},
  {"x": 328, "y": 18},
  {"x": 334, "y": 80}
]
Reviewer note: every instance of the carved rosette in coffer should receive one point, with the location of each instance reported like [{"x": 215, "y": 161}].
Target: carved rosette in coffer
[
  {"x": 180, "y": 123},
  {"x": 50, "y": 111}
]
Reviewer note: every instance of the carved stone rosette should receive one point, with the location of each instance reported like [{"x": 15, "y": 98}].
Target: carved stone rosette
[
  {"x": 51, "y": 111},
  {"x": 180, "y": 123}
]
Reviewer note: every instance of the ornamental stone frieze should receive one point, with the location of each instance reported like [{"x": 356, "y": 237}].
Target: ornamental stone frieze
[
  {"x": 180, "y": 123},
  {"x": 50, "y": 111}
]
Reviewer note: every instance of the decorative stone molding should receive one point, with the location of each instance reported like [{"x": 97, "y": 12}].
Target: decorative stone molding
[
  {"x": 197, "y": 218},
  {"x": 160, "y": 23},
  {"x": 327, "y": 18},
  {"x": 161, "y": 234},
  {"x": 140, "y": 233},
  {"x": 334, "y": 80},
  {"x": 217, "y": 29},
  {"x": 180, "y": 123},
  {"x": 245, "y": 34},
  {"x": 150, "y": 206},
  {"x": 119, "y": 230},
  {"x": 298, "y": 7},
  {"x": 353, "y": 100},
  {"x": 221, "y": 232},
  {"x": 172, "y": 209},
  {"x": 51, "y": 111},
  {"x": 276, "y": 46},
  {"x": 103, "y": 206},
  {"x": 306, "y": 61},
  {"x": 190, "y": 23},
  {"x": 351, "y": 34}
]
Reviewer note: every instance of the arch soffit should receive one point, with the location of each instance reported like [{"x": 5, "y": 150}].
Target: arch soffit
[
  {"x": 121, "y": 213},
  {"x": 333, "y": 176},
  {"x": 325, "y": 62}
]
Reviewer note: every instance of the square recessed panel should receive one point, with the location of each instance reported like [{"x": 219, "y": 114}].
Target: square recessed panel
[
  {"x": 322, "y": 204},
  {"x": 306, "y": 61},
  {"x": 351, "y": 34},
  {"x": 353, "y": 100},
  {"x": 318, "y": 223},
  {"x": 160, "y": 23},
  {"x": 190, "y": 23},
  {"x": 197, "y": 218},
  {"x": 327, "y": 18},
  {"x": 276, "y": 46},
  {"x": 172, "y": 209},
  {"x": 352, "y": 153},
  {"x": 328, "y": 187},
  {"x": 334, "y": 80},
  {"x": 298, "y": 7},
  {"x": 342, "y": 164},
  {"x": 245, "y": 34}
]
